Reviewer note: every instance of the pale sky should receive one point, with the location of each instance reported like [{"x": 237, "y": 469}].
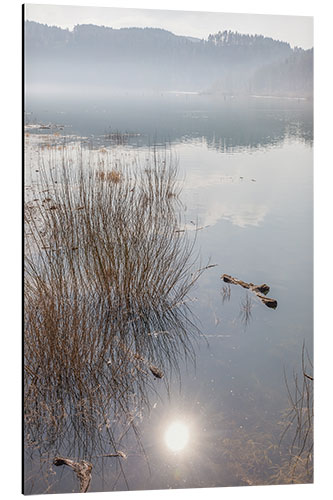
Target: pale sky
[{"x": 297, "y": 30}]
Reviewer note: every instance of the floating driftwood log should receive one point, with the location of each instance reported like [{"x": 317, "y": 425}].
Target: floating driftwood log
[
  {"x": 259, "y": 290},
  {"x": 82, "y": 469}
]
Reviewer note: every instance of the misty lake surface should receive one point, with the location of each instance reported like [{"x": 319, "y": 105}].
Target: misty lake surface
[{"x": 247, "y": 171}]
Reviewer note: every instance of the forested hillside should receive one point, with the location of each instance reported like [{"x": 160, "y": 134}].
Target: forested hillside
[{"x": 156, "y": 59}]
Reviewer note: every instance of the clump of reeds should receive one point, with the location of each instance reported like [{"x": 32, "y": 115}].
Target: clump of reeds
[
  {"x": 118, "y": 138},
  {"x": 298, "y": 422},
  {"x": 105, "y": 269}
]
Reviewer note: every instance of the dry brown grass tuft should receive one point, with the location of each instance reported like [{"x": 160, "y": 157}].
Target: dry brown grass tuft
[{"x": 113, "y": 176}]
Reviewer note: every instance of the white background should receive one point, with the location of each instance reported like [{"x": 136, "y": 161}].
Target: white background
[{"x": 11, "y": 255}]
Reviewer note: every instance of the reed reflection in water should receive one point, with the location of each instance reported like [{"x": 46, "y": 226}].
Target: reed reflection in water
[
  {"x": 107, "y": 274},
  {"x": 298, "y": 423}
]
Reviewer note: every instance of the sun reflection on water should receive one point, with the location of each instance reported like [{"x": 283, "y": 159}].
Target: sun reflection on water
[{"x": 176, "y": 436}]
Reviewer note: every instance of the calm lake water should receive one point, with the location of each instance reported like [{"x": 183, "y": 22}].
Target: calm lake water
[{"x": 247, "y": 166}]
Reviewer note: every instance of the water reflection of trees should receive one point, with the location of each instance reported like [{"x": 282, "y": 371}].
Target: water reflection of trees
[
  {"x": 106, "y": 278},
  {"x": 249, "y": 125},
  {"x": 226, "y": 124}
]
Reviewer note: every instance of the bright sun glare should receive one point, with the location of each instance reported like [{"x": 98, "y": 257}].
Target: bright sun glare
[{"x": 176, "y": 436}]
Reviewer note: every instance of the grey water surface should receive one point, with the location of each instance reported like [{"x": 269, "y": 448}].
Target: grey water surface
[{"x": 247, "y": 170}]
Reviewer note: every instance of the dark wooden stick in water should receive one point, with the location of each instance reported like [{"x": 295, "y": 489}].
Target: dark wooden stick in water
[
  {"x": 117, "y": 454},
  {"x": 259, "y": 290},
  {"x": 157, "y": 372},
  {"x": 82, "y": 469}
]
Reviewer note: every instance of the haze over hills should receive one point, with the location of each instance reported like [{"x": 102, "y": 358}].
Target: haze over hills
[{"x": 154, "y": 59}]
